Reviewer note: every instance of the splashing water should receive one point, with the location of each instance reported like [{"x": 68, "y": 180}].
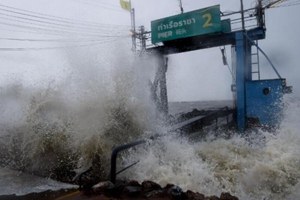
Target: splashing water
[
  {"x": 267, "y": 167},
  {"x": 50, "y": 130}
]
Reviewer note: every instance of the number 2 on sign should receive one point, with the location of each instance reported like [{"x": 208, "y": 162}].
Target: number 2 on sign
[{"x": 207, "y": 23}]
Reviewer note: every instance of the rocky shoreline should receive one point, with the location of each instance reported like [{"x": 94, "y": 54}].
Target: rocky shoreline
[
  {"x": 122, "y": 190},
  {"x": 146, "y": 190}
]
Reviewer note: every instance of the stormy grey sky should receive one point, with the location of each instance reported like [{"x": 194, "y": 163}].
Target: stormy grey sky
[{"x": 198, "y": 75}]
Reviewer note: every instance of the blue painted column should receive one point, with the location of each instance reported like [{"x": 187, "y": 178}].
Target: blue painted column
[
  {"x": 240, "y": 79},
  {"x": 248, "y": 64}
]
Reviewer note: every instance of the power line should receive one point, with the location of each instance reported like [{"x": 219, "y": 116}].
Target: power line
[
  {"x": 10, "y": 30},
  {"x": 53, "y": 25},
  {"x": 58, "y": 40},
  {"x": 77, "y": 30},
  {"x": 55, "y": 18},
  {"x": 105, "y": 3},
  {"x": 45, "y": 18},
  {"x": 46, "y": 33},
  {"x": 288, "y": 3},
  {"x": 53, "y": 48},
  {"x": 97, "y": 5},
  {"x": 49, "y": 31},
  {"x": 48, "y": 25},
  {"x": 280, "y": 3}
]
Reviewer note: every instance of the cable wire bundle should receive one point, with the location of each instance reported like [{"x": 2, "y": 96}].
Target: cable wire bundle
[{"x": 68, "y": 30}]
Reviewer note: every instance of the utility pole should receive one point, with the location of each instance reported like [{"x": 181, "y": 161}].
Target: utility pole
[
  {"x": 260, "y": 15},
  {"x": 242, "y": 13},
  {"x": 143, "y": 38},
  {"x": 133, "y": 36},
  {"x": 180, "y": 6},
  {"x": 132, "y": 14}
]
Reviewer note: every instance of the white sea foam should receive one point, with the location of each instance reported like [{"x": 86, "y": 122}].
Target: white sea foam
[
  {"x": 267, "y": 167},
  {"x": 47, "y": 128}
]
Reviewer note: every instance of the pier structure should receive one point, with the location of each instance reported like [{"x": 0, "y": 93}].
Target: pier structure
[{"x": 258, "y": 102}]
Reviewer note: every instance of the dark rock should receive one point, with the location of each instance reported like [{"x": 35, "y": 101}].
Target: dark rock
[
  {"x": 100, "y": 187},
  {"x": 154, "y": 193},
  {"x": 116, "y": 190},
  {"x": 194, "y": 196},
  {"x": 134, "y": 183},
  {"x": 132, "y": 191},
  {"x": 212, "y": 198},
  {"x": 150, "y": 186},
  {"x": 147, "y": 190},
  {"x": 174, "y": 190},
  {"x": 227, "y": 196},
  {"x": 176, "y": 193},
  {"x": 87, "y": 189},
  {"x": 168, "y": 186}
]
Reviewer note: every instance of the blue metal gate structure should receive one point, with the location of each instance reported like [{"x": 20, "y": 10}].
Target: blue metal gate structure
[{"x": 258, "y": 102}]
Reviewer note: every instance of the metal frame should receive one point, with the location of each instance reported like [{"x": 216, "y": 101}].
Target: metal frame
[
  {"x": 114, "y": 155},
  {"x": 113, "y": 167}
]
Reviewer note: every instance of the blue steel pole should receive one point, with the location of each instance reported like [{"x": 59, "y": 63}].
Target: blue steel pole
[
  {"x": 248, "y": 58},
  {"x": 240, "y": 79}
]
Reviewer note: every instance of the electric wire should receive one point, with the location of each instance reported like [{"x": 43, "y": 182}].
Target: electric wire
[
  {"x": 42, "y": 23},
  {"x": 64, "y": 23},
  {"x": 38, "y": 30},
  {"x": 288, "y": 5},
  {"x": 50, "y": 31},
  {"x": 277, "y": 4},
  {"x": 78, "y": 31},
  {"x": 62, "y": 29},
  {"x": 38, "y": 23},
  {"x": 21, "y": 31},
  {"x": 59, "y": 47},
  {"x": 55, "y": 40},
  {"x": 45, "y": 33},
  {"x": 97, "y": 5},
  {"x": 105, "y": 3},
  {"x": 53, "y": 24},
  {"x": 61, "y": 19}
]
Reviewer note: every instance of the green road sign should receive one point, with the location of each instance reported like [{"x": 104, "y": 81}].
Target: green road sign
[{"x": 198, "y": 22}]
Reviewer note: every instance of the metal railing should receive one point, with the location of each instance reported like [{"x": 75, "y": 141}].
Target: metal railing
[
  {"x": 206, "y": 119},
  {"x": 114, "y": 155},
  {"x": 199, "y": 123},
  {"x": 218, "y": 114}
]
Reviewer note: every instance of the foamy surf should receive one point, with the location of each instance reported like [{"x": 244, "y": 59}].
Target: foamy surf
[
  {"x": 51, "y": 129},
  {"x": 267, "y": 167}
]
